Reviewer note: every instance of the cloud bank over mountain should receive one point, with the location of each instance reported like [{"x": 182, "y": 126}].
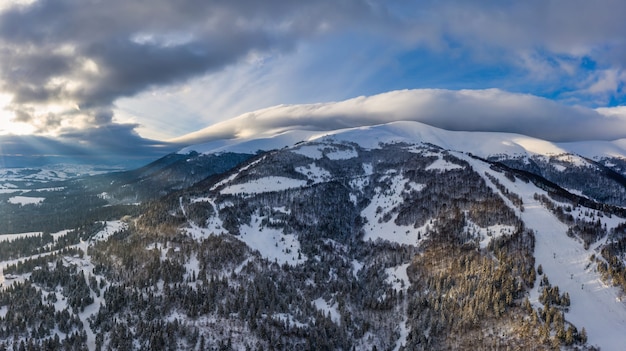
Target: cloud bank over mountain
[{"x": 471, "y": 110}]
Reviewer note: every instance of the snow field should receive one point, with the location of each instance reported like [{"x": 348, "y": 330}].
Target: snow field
[
  {"x": 264, "y": 185},
  {"x": 442, "y": 165},
  {"x": 310, "y": 151},
  {"x": 110, "y": 228},
  {"x": 271, "y": 243},
  {"x": 342, "y": 154},
  {"x": 288, "y": 319},
  {"x": 389, "y": 230},
  {"x": 11, "y": 237},
  {"x": 485, "y": 235},
  {"x": 398, "y": 278},
  {"x": 328, "y": 309},
  {"x": 314, "y": 173},
  {"x": 26, "y": 200}
]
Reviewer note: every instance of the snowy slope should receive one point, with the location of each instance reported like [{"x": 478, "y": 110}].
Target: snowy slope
[
  {"x": 483, "y": 144},
  {"x": 595, "y": 306}
]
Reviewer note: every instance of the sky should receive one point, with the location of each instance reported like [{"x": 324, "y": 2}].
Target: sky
[{"x": 129, "y": 77}]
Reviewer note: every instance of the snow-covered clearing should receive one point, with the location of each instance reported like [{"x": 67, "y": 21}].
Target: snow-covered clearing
[
  {"x": 192, "y": 267},
  {"x": 442, "y": 165},
  {"x": 485, "y": 235},
  {"x": 345, "y": 154},
  {"x": 11, "y": 237},
  {"x": 111, "y": 227},
  {"x": 356, "y": 267},
  {"x": 310, "y": 151},
  {"x": 328, "y": 309},
  {"x": 383, "y": 202},
  {"x": 288, "y": 319},
  {"x": 271, "y": 243},
  {"x": 26, "y": 200},
  {"x": 574, "y": 160},
  {"x": 398, "y": 277},
  {"x": 594, "y": 305},
  {"x": 264, "y": 185},
  {"x": 314, "y": 173}
]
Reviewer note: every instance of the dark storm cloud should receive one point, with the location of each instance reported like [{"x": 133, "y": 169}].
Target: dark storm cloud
[{"x": 90, "y": 53}]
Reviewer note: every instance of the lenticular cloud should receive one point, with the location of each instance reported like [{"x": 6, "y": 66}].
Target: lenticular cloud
[{"x": 490, "y": 110}]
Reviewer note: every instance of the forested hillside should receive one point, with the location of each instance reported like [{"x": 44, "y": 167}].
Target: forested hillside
[{"x": 326, "y": 244}]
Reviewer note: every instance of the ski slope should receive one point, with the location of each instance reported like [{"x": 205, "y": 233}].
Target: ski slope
[{"x": 594, "y": 305}]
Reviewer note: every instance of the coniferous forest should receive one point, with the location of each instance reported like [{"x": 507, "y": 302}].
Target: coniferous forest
[{"x": 319, "y": 246}]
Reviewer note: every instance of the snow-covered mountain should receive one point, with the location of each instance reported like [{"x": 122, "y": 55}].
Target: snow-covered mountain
[
  {"x": 484, "y": 144},
  {"x": 569, "y": 164},
  {"x": 398, "y": 236}
]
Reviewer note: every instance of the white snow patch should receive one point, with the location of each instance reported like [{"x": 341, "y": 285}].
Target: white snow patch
[
  {"x": 110, "y": 228},
  {"x": 442, "y": 165},
  {"x": 573, "y": 159},
  {"x": 314, "y": 173},
  {"x": 264, "y": 185},
  {"x": 356, "y": 267},
  {"x": 10, "y": 191},
  {"x": 485, "y": 235},
  {"x": 288, "y": 319},
  {"x": 342, "y": 154},
  {"x": 271, "y": 243},
  {"x": 415, "y": 186},
  {"x": 245, "y": 262},
  {"x": 382, "y": 202},
  {"x": 11, "y": 237},
  {"x": 328, "y": 309},
  {"x": 398, "y": 277},
  {"x": 192, "y": 266},
  {"x": 310, "y": 151},
  {"x": 199, "y": 199},
  {"x": 60, "y": 234},
  {"x": 282, "y": 209},
  {"x": 353, "y": 199},
  {"x": 233, "y": 176},
  {"x": 368, "y": 169},
  {"x": 404, "y": 334},
  {"x": 26, "y": 200}
]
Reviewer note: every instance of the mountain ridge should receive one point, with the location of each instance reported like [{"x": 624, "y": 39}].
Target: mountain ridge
[{"x": 484, "y": 144}]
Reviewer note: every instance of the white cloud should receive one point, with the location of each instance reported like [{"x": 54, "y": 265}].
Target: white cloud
[
  {"x": 472, "y": 110},
  {"x": 605, "y": 81}
]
